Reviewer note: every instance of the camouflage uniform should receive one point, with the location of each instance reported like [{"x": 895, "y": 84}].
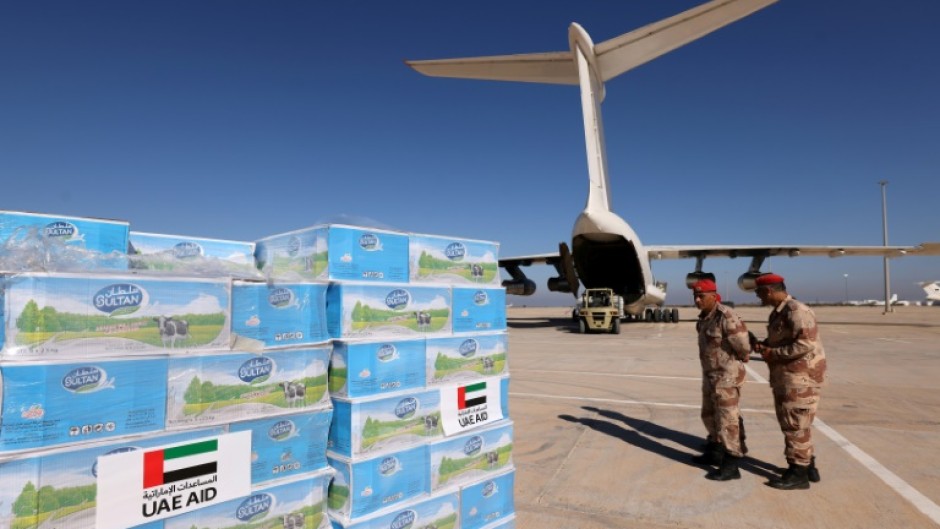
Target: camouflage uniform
[
  {"x": 797, "y": 365},
  {"x": 723, "y": 347}
]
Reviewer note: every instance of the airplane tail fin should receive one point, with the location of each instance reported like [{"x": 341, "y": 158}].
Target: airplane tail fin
[{"x": 932, "y": 290}]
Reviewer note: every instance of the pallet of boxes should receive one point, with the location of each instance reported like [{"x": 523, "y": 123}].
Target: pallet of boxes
[
  {"x": 421, "y": 436},
  {"x": 156, "y": 381}
]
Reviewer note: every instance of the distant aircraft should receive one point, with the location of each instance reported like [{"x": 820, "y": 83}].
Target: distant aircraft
[
  {"x": 605, "y": 252},
  {"x": 873, "y": 302},
  {"x": 932, "y": 289}
]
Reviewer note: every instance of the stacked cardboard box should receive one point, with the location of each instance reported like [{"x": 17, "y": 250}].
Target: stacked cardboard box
[
  {"x": 419, "y": 375},
  {"x": 171, "y": 367}
]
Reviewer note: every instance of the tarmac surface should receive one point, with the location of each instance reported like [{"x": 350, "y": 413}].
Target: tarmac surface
[{"x": 606, "y": 424}]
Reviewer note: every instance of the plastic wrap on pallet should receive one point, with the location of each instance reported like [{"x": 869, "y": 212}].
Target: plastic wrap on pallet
[
  {"x": 82, "y": 315},
  {"x": 299, "y": 504},
  {"x": 479, "y": 309},
  {"x": 192, "y": 256},
  {"x": 42, "y": 242},
  {"x": 437, "y": 259},
  {"x": 488, "y": 501},
  {"x": 364, "y": 485},
  {"x": 223, "y": 388},
  {"x": 437, "y": 511},
  {"x": 287, "y": 446},
  {"x": 471, "y": 457},
  {"x": 393, "y": 422},
  {"x": 465, "y": 358},
  {"x": 276, "y": 315},
  {"x": 335, "y": 252},
  {"x": 60, "y": 403},
  {"x": 376, "y": 311},
  {"x": 368, "y": 368}
]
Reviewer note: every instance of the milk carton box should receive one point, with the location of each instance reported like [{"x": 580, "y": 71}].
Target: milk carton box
[
  {"x": 375, "y": 311},
  {"x": 436, "y": 259},
  {"x": 287, "y": 445},
  {"x": 471, "y": 457},
  {"x": 192, "y": 255},
  {"x": 366, "y": 485},
  {"x": 488, "y": 501},
  {"x": 224, "y": 388},
  {"x": 437, "y": 511},
  {"x": 299, "y": 504},
  {"x": 278, "y": 315},
  {"x": 466, "y": 358},
  {"x": 335, "y": 252},
  {"x": 368, "y": 368},
  {"x": 504, "y": 395},
  {"x": 391, "y": 422},
  {"x": 57, "y": 403},
  {"x": 479, "y": 309},
  {"x": 69, "y": 479},
  {"x": 19, "y": 498},
  {"x": 94, "y": 235},
  {"x": 71, "y": 315}
]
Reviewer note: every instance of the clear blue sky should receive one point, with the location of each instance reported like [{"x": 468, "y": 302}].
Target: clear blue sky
[{"x": 237, "y": 119}]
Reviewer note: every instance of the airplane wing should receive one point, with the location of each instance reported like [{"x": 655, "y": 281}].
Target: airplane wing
[
  {"x": 696, "y": 251},
  {"x": 529, "y": 260}
]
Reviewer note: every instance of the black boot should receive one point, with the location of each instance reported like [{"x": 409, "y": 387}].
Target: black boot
[
  {"x": 811, "y": 473},
  {"x": 795, "y": 477},
  {"x": 727, "y": 471},
  {"x": 711, "y": 456},
  {"x": 742, "y": 435}
]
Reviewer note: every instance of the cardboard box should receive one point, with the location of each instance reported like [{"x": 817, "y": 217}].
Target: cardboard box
[
  {"x": 365, "y": 485},
  {"x": 299, "y": 504},
  {"x": 69, "y": 479},
  {"x": 369, "y": 368},
  {"x": 19, "y": 498},
  {"x": 287, "y": 446},
  {"x": 274, "y": 315},
  {"x": 224, "y": 388},
  {"x": 471, "y": 457},
  {"x": 335, "y": 252},
  {"x": 59, "y": 403},
  {"x": 466, "y": 358},
  {"x": 479, "y": 309},
  {"x": 74, "y": 315},
  {"x": 488, "y": 501},
  {"x": 437, "y": 511},
  {"x": 388, "y": 423},
  {"x": 359, "y": 310},
  {"x": 192, "y": 255},
  {"x": 94, "y": 235},
  {"x": 436, "y": 259}
]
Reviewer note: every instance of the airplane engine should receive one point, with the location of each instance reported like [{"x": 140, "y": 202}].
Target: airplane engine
[
  {"x": 559, "y": 284},
  {"x": 695, "y": 277},
  {"x": 519, "y": 287},
  {"x": 748, "y": 281}
]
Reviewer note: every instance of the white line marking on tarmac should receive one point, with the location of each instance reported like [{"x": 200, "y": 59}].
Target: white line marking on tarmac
[
  {"x": 894, "y": 340},
  {"x": 921, "y": 502},
  {"x": 909, "y": 493},
  {"x": 623, "y": 401},
  {"x": 622, "y": 375}
]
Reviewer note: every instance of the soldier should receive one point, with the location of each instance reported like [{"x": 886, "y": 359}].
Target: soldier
[
  {"x": 797, "y": 363},
  {"x": 723, "y": 346}
]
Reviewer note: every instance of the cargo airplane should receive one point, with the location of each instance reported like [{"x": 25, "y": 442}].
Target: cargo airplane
[{"x": 605, "y": 252}]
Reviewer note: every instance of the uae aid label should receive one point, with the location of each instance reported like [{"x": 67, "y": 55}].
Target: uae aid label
[
  {"x": 155, "y": 483},
  {"x": 468, "y": 406}
]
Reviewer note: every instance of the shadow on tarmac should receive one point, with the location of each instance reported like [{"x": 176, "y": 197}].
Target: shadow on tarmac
[
  {"x": 561, "y": 324},
  {"x": 641, "y": 434}
]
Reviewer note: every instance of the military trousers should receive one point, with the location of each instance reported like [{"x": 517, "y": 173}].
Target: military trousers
[
  {"x": 720, "y": 415},
  {"x": 796, "y": 409}
]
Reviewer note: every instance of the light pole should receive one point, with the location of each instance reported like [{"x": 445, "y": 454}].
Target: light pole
[
  {"x": 846, "y": 276},
  {"x": 884, "y": 224}
]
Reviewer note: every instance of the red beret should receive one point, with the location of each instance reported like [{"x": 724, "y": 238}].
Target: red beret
[
  {"x": 768, "y": 279},
  {"x": 704, "y": 285}
]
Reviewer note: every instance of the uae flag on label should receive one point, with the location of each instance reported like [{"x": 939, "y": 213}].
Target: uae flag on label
[
  {"x": 180, "y": 462},
  {"x": 469, "y": 406}
]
